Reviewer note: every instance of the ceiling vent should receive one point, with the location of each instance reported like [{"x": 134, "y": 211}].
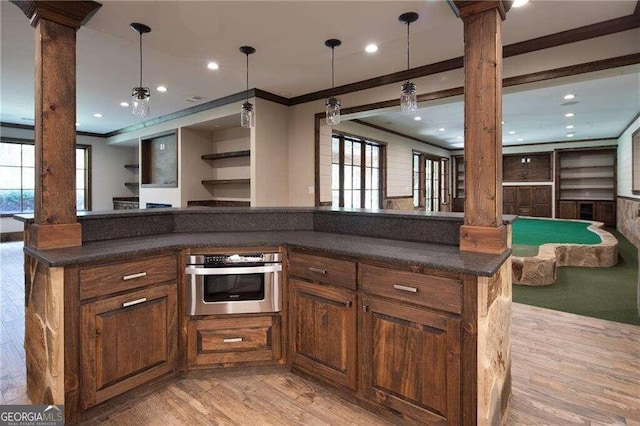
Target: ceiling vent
[{"x": 195, "y": 99}]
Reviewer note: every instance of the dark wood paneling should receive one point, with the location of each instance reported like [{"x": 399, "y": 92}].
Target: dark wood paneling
[
  {"x": 509, "y": 199},
  {"x": 324, "y": 332},
  {"x": 542, "y": 201},
  {"x": 323, "y": 269},
  {"x": 527, "y": 167},
  {"x": 527, "y": 200},
  {"x": 567, "y": 210}
]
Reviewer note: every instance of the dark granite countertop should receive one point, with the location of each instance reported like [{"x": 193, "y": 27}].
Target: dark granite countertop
[{"x": 437, "y": 256}]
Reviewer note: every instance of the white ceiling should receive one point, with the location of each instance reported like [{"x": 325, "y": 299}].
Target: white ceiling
[
  {"x": 289, "y": 36},
  {"x": 604, "y": 105}
]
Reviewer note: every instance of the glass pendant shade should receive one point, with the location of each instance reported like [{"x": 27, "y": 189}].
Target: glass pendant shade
[
  {"x": 333, "y": 111},
  {"x": 408, "y": 98},
  {"x": 140, "y": 101},
  {"x": 247, "y": 115}
]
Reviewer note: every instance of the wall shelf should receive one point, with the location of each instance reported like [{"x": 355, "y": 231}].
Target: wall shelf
[
  {"x": 131, "y": 184},
  {"x": 225, "y": 181},
  {"x": 232, "y": 154},
  {"x": 132, "y": 166}
]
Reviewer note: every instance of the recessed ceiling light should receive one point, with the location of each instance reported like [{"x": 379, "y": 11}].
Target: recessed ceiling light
[
  {"x": 569, "y": 96},
  {"x": 124, "y": 104},
  {"x": 371, "y": 48},
  {"x": 441, "y": 129},
  {"x": 503, "y": 122},
  {"x": 213, "y": 65},
  {"x": 161, "y": 88},
  {"x": 519, "y": 3},
  {"x": 570, "y": 135},
  {"x": 520, "y": 139},
  {"x": 77, "y": 124},
  {"x": 569, "y": 115},
  {"x": 459, "y": 137},
  {"x": 512, "y": 132},
  {"x": 570, "y": 126},
  {"x": 417, "y": 118},
  {"x": 97, "y": 115}
]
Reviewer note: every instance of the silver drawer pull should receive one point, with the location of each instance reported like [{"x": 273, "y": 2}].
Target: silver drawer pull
[
  {"x": 134, "y": 302},
  {"x": 405, "y": 288},
  {"x": 134, "y": 276},
  {"x": 232, "y": 340},
  {"x": 317, "y": 270}
]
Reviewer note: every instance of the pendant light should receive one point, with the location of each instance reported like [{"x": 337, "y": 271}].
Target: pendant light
[
  {"x": 140, "y": 95},
  {"x": 332, "y": 103},
  {"x": 408, "y": 99},
  {"x": 248, "y": 114}
]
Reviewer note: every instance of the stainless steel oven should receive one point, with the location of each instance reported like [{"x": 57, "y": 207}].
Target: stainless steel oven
[{"x": 234, "y": 283}]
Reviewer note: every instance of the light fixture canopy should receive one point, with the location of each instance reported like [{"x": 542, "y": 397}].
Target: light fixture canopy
[
  {"x": 332, "y": 103},
  {"x": 140, "y": 95},
  {"x": 408, "y": 97},
  {"x": 247, "y": 114}
]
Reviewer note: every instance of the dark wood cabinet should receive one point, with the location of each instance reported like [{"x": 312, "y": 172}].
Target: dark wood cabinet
[
  {"x": 567, "y": 210},
  {"x": 323, "y": 332},
  {"x": 127, "y": 340},
  {"x": 225, "y": 341},
  {"x": 411, "y": 360},
  {"x": 527, "y": 200},
  {"x": 606, "y": 212}
]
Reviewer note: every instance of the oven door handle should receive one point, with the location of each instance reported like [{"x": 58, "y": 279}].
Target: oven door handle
[{"x": 235, "y": 270}]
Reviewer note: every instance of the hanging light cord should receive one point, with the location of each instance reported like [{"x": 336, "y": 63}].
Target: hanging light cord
[
  {"x": 247, "y": 94},
  {"x": 332, "y": 66},
  {"x": 140, "y": 59},
  {"x": 408, "y": 50}
]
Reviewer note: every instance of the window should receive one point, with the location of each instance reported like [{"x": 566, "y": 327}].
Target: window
[
  {"x": 635, "y": 162},
  {"x": 17, "y": 176},
  {"x": 356, "y": 172},
  {"x": 430, "y": 181}
]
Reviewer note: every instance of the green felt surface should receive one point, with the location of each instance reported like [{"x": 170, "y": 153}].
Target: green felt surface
[
  {"x": 535, "y": 232},
  {"x": 606, "y": 293}
]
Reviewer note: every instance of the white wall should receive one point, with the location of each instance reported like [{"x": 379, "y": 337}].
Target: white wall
[
  {"x": 399, "y": 158},
  {"x": 624, "y": 160},
  {"x": 107, "y": 172}
]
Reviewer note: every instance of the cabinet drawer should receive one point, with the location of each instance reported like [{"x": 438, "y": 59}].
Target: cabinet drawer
[
  {"x": 428, "y": 290},
  {"x": 234, "y": 340},
  {"x": 324, "y": 269},
  {"x": 116, "y": 277}
]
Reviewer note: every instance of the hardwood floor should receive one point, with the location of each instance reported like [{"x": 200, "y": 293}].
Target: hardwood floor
[{"x": 567, "y": 370}]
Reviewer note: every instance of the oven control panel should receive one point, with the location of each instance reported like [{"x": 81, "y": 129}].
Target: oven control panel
[{"x": 213, "y": 260}]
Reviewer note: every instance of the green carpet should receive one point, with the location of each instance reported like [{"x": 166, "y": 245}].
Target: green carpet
[
  {"x": 606, "y": 293},
  {"x": 535, "y": 232}
]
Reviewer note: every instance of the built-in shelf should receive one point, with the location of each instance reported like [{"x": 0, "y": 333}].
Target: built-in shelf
[
  {"x": 232, "y": 154},
  {"x": 225, "y": 181},
  {"x": 132, "y": 166},
  {"x": 132, "y": 184}
]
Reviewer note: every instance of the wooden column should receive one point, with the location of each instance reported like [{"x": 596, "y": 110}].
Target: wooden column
[
  {"x": 483, "y": 230},
  {"x": 56, "y": 23}
]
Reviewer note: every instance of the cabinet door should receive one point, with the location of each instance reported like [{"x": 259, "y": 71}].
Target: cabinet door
[
  {"x": 525, "y": 200},
  {"x": 567, "y": 210},
  {"x": 509, "y": 200},
  {"x": 323, "y": 332},
  {"x": 606, "y": 212},
  {"x": 411, "y": 360},
  {"x": 541, "y": 201},
  {"x": 126, "y": 341}
]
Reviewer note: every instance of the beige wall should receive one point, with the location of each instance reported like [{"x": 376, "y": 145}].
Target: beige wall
[
  {"x": 269, "y": 155},
  {"x": 193, "y": 169}
]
